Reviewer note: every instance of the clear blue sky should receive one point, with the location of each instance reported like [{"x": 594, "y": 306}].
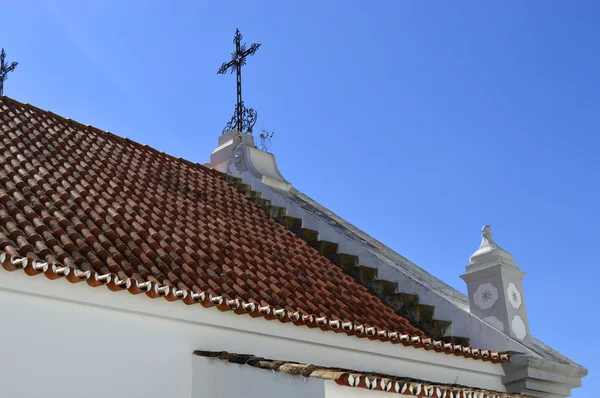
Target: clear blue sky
[{"x": 419, "y": 122}]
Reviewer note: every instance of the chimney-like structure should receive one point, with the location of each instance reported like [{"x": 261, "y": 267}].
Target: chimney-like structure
[{"x": 495, "y": 286}]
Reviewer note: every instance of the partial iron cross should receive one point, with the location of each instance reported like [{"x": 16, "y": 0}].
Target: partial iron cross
[
  {"x": 243, "y": 119},
  {"x": 4, "y": 69}
]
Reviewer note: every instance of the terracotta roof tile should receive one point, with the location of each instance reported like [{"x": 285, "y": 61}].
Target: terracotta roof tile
[
  {"x": 357, "y": 379},
  {"x": 88, "y": 205}
]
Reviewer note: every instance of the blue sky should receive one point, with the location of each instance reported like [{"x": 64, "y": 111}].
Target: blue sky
[{"x": 419, "y": 122}]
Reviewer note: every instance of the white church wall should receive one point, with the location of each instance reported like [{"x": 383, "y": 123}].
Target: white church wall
[
  {"x": 213, "y": 378},
  {"x": 62, "y": 339}
]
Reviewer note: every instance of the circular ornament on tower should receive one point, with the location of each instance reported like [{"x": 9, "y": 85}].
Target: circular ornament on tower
[
  {"x": 518, "y": 327},
  {"x": 514, "y": 296},
  {"x": 486, "y": 296}
]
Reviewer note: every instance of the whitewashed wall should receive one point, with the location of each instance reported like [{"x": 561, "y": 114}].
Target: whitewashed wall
[
  {"x": 69, "y": 340},
  {"x": 214, "y": 378},
  {"x": 219, "y": 379}
]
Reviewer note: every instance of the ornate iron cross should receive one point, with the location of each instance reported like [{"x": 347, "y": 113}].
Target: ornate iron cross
[
  {"x": 243, "y": 119},
  {"x": 4, "y": 69}
]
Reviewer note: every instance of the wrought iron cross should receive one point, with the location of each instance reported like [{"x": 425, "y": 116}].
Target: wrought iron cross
[
  {"x": 243, "y": 119},
  {"x": 4, "y": 69}
]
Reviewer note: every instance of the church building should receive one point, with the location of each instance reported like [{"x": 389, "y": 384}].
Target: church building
[{"x": 126, "y": 272}]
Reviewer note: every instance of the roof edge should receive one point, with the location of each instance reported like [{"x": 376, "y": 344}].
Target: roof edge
[
  {"x": 12, "y": 262},
  {"x": 355, "y": 379}
]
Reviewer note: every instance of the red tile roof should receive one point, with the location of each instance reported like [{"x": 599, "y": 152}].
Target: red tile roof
[
  {"x": 88, "y": 205},
  {"x": 358, "y": 379}
]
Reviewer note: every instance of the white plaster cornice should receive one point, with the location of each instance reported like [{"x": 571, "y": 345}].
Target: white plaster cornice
[
  {"x": 487, "y": 271},
  {"x": 540, "y": 377}
]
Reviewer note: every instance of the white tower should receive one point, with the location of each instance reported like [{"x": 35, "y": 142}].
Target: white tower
[{"x": 495, "y": 285}]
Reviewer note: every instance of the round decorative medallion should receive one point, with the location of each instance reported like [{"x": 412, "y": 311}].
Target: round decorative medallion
[
  {"x": 518, "y": 327},
  {"x": 486, "y": 296},
  {"x": 514, "y": 296}
]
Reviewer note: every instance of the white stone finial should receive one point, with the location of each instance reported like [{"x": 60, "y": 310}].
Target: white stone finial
[
  {"x": 487, "y": 238},
  {"x": 488, "y": 247},
  {"x": 487, "y": 232}
]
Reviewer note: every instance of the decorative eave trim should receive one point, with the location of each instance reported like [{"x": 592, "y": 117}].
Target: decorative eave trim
[
  {"x": 357, "y": 379},
  {"x": 52, "y": 271},
  {"x": 414, "y": 389}
]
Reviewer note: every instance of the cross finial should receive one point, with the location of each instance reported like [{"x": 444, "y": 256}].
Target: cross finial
[
  {"x": 4, "y": 69},
  {"x": 243, "y": 119}
]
